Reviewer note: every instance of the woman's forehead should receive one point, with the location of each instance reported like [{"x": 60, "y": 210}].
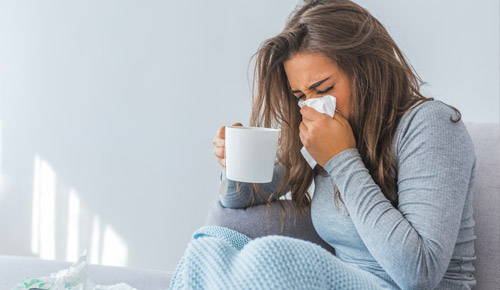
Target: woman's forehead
[{"x": 308, "y": 69}]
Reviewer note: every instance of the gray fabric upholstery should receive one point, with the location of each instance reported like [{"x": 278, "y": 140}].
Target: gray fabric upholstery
[
  {"x": 486, "y": 203},
  {"x": 254, "y": 222},
  {"x": 14, "y": 269},
  {"x": 486, "y": 139}
]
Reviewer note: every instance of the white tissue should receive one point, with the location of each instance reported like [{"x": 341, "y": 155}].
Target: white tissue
[
  {"x": 76, "y": 278},
  {"x": 325, "y": 105}
]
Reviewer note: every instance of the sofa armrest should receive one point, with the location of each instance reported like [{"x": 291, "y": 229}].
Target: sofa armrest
[{"x": 254, "y": 222}]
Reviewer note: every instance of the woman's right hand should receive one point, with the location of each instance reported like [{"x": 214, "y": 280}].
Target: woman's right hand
[{"x": 220, "y": 145}]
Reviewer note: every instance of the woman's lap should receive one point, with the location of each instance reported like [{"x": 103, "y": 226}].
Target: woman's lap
[
  {"x": 307, "y": 264},
  {"x": 220, "y": 258}
]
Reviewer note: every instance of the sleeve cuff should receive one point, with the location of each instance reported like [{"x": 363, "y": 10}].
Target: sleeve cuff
[
  {"x": 336, "y": 163},
  {"x": 225, "y": 183},
  {"x": 223, "y": 178},
  {"x": 342, "y": 168}
]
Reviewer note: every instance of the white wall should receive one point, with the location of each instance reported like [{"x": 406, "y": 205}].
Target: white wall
[
  {"x": 108, "y": 110},
  {"x": 453, "y": 46}
]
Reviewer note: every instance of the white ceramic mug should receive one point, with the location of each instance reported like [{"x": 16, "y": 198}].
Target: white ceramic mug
[{"x": 250, "y": 153}]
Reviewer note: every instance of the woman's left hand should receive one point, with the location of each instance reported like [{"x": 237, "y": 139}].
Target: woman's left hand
[{"x": 324, "y": 137}]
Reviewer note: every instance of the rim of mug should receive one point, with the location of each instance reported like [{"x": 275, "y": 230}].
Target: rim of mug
[{"x": 253, "y": 128}]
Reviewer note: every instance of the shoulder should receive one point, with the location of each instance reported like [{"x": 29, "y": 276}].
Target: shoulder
[
  {"x": 429, "y": 111},
  {"x": 431, "y": 124}
]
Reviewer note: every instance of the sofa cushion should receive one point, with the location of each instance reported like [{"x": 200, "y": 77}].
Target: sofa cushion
[
  {"x": 486, "y": 203},
  {"x": 253, "y": 222}
]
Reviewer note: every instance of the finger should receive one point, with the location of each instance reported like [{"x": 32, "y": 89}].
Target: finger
[
  {"x": 221, "y": 133},
  {"x": 219, "y": 152},
  {"x": 305, "y": 118},
  {"x": 219, "y": 142},
  {"x": 301, "y": 136},
  {"x": 307, "y": 122},
  {"x": 222, "y": 162},
  {"x": 338, "y": 113},
  {"x": 341, "y": 119},
  {"x": 309, "y": 113},
  {"x": 302, "y": 127}
]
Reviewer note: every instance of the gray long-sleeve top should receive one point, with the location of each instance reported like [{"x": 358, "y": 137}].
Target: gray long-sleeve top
[{"x": 427, "y": 242}]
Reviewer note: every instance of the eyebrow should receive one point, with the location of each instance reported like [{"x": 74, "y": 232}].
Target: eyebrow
[{"x": 313, "y": 86}]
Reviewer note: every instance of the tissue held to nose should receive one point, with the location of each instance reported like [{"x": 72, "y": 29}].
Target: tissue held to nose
[{"x": 325, "y": 105}]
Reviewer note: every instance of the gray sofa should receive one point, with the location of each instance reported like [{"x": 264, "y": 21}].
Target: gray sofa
[{"x": 253, "y": 222}]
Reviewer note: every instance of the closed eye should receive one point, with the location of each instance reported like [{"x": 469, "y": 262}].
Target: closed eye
[
  {"x": 318, "y": 92},
  {"x": 325, "y": 91}
]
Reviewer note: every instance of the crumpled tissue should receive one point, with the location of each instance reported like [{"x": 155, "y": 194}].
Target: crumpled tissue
[
  {"x": 74, "y": 278},
  {"x": 325, "y": 105}
]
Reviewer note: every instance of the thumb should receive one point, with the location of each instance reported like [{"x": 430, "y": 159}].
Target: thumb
[{"x": 237, "y": 124}]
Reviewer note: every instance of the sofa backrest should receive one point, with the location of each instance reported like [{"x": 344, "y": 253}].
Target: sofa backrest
[{"x": 486, "y": 203}]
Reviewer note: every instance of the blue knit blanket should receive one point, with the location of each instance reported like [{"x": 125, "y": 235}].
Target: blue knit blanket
[{"x": 220, "y": 258}]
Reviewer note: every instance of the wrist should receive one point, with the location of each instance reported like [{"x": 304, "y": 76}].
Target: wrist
[{"x": 340, "y": 158}]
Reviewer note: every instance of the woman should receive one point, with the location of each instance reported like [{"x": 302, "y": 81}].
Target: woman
[{"x": 395, "y": 169}]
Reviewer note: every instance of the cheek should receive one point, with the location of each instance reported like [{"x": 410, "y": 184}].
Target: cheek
[
  {"x": 344, "y": 101},
  {"x": 343, "y": 105}
]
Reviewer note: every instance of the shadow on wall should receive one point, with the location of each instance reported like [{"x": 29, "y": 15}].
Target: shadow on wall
[{"x": 62, "y": 227}]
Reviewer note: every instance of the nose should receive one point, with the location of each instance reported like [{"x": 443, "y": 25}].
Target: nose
[{"x": 312, "y": 96}]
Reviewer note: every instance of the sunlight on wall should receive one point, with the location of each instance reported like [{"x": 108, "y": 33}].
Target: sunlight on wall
[
  {"x": 2, "y": 179},
  {"x": 73, "y": 219},
  {"x": 114, "y": 251},
  {"x": 107, "y": 247},
  {"x": 44, "y": 190},
  {"x": 0, "y": 147},
  {"x": 96, "y": 240},
  {"x": 56, "y": 223}
]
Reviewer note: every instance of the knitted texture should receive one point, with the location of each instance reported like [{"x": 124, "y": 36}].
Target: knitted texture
[{"x": 220, "y": 258}]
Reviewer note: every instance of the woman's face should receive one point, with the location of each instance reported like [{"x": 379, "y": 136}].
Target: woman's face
[{"x": 314, "y": 76}]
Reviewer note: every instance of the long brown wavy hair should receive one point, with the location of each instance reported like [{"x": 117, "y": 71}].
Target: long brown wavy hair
[{"x": 383, "y": 87}]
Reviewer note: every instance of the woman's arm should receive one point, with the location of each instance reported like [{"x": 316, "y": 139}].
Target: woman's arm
[
  {"x": 229, "y": 197},
  {"x": 413, "y": 243}
]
